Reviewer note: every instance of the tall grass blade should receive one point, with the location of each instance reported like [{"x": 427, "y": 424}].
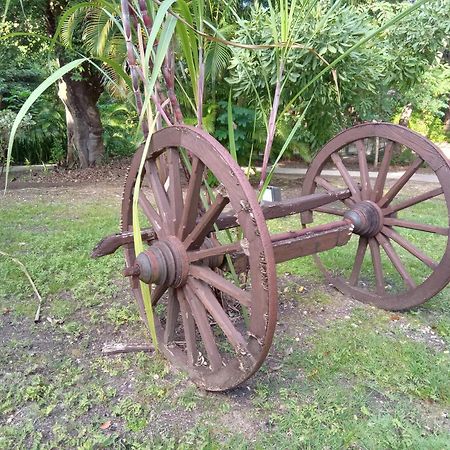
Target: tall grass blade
[{"x": 232, "y": 141}]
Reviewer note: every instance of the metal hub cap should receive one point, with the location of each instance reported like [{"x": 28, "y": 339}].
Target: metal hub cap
[{"x": 367, "y": 218}]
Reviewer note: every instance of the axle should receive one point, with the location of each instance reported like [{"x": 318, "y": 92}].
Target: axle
[{"x": 110, "y": 244}]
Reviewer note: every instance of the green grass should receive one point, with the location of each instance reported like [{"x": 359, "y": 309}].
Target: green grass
[{"x": 340, "y": 374}]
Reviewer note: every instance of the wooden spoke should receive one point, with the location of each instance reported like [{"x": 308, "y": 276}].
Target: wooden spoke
[
  {"x": 157, "y": 292},
  {"x": 366, "y": 189},
  {"x": 210, "y": 302},
  {"x": 330, "y": 188},
  {"x": 206, "y": 222},
  {"x": 150, "y": 213},
  {"x": 416, "y": 226},
  {"x": 201, "y": 319},
  {"x": 346, "y": 176},
  {"x": 219, "y": 282},
  {"x": 377, "y": 267},
  {"x": 400, "y": 183},
  {"x": 360, "y": 252},
  {"x": 175, "y": 191},
  {"x": 330, "y": 210},
  {"x": 189, "y": 328},
  {"x": 408, "y": 246},
  {"x": 214, "y": 251},
  {"x": 413, "y": 201},
  {"x": 192, "y": 199},
  {"x": 396, "y": 261},
  {"x": 160, "y": 194},
  {"x": 172, "y": 313},
  {"x": 378, "y": 188}
]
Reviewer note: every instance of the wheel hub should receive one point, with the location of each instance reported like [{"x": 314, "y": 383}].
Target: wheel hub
[
  {"x": 166, "y": 262},
  {"x": 366, "y": 217}
]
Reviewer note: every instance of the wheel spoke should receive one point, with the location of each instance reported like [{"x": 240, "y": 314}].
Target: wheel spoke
[
  {"x": 396, "y": 261},
  {"x": 212, "y": 278},
  {"x": 377, "y": 267},
  {"x": 395, "y": 189},
  {"x": 175, "y": 192},
  {"x": 204, "y": 226},
  {"x": 189, "y": 328},
  {"x": 201, "y": 319},
  {"x": 210, "y": 302},
  {"x": 157, "y": 292},
  {"x": 378, "y": 189},
  {"x": 413, "y": 201},
  {"x": 219, "y": 250},
  {"x": 359, "y": 258},
  {"x": 408, "y": 246},
  {"x": 192, "y": 199},
  {"x": 150, "y": 213},
  {"x": 366, "y": 189},
  {"x": 172, "y": 312},
  {"x": 322, "y": 182},
  {"x": 391, "y": 221},
  {"x": 346, "y": 176},
  {"x": 160, "y": 194}
]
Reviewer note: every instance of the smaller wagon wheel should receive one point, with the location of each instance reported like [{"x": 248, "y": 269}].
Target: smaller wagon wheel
[
  {"x": 401, "y": 242},
  {"x": 208, "y": 321}
]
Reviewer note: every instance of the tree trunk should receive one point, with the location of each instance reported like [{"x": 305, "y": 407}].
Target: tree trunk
[
  {"x": 406, "y": 115},
  {"x": 447, "y": 119},
  {"x": 84, "y": 126}
]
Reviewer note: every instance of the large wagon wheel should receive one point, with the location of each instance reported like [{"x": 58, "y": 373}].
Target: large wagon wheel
[
  {"x": 206, "y": 322},
  {"x": 402, "y": 250}
]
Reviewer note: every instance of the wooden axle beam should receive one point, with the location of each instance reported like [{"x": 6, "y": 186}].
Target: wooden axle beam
[{"x": 110, "y": 244}]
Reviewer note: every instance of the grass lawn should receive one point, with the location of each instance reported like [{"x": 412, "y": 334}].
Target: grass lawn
[{"x": 340, "y": 374}]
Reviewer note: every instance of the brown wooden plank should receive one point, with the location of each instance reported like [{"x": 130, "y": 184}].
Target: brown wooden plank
[
  {"x": 175, "y": 192},
  {"x": 377, "y": 266},
  {"x": 413, "y": 201},
  {"x": 188, "y": 328},
  {"x": 222, "y": 284},
  {"x": 400, "y": 183},
  {"x": 325, "y": 184},
  {"x": 205, "y": 224},
  {"x": 366, "y": 189},
  {"x": 396, "y": 261},
  {"x": 160, "y": 195},
  {"x": 153, "y": 217},
  {"x": 349, "y": 181},
  {"x": 172, "y": 313},
  {"x": 359, "y": 258},
  {"x": 210, "y": 302},
  {"x": 201, "y": 319},
  {"x": 391, "y": 221},
  {"x": 378, "y": 189},
  {"x": 191, "y": 201},
  {"x": 408, "y": 246}
]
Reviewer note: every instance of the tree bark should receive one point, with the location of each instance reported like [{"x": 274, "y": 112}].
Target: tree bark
[
  {"x": 84, "y": 126},
  {"x": 447, "y": 119},
  {"x": 406, "y": 115}
]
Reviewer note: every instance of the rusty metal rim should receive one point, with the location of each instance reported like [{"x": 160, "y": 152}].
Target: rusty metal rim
[
  {"x": 435, "y": 158},
  {"x": 263, "y": 310}
]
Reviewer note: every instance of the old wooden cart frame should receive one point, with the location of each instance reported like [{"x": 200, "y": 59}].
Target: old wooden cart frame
[{"x": 211, "y": 259}]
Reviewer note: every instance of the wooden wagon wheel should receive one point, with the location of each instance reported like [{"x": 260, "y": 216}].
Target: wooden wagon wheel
[
  {"x": 402, "y": 250},
  {"x": 207, "y": 323}
]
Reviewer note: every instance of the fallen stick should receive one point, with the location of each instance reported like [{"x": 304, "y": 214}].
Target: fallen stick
[
  {"x": 37, "y": 316},
  {"x": 114, "y": 349}
]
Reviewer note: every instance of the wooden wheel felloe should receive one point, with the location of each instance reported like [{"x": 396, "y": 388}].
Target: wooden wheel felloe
[
  {"x": 210, "y": 321},
  {"x": 401, "y": 241}
]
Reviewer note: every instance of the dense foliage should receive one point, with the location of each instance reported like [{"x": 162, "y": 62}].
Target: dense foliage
[{"x": 405, "y": 66}]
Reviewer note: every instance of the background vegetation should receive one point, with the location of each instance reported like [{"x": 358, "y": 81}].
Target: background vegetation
[{"x": 402, "y": 75}]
